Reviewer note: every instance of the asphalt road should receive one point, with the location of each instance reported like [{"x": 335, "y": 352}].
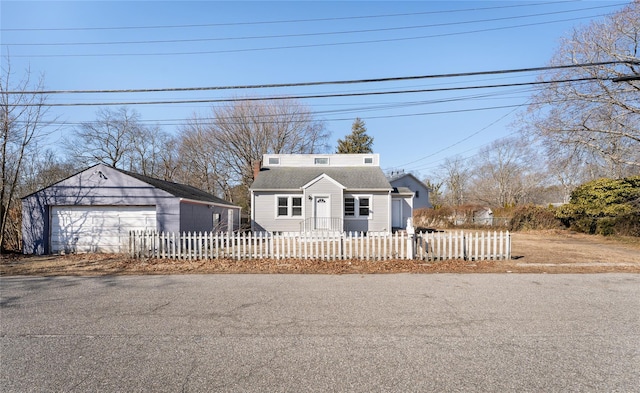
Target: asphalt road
[{"x": 319, "y": 333}]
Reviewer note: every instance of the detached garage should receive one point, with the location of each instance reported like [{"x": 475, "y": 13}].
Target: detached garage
[{"x": 94, "y": 210}]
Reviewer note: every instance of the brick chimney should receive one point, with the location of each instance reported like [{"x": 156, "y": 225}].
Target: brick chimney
[{"x": 256, "y": 169}]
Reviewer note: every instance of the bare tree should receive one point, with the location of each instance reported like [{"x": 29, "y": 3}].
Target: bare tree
[
  {"x": 109, "y": 139},
  {"x": 456, "y": 177},
  {"x": 43, "y": 169},
  {"x": 597, "y": 118},
  {"x": 435, "y": 192},
  {"x": 245, "y": 130},
  {"x": 150, "y": 148},
  {"x": 198, "y": 158},
  {"x": 23, "y": 122},
  {"x": 505, "y": 173}
]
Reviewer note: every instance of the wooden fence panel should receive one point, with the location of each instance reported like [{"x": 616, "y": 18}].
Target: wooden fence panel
[{"x": 435, "y": 246}]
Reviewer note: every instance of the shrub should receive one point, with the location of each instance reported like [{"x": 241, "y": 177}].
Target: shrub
[
  {"x": 530, "y": 217},
  {"x": 604, "y": 206},
  {"x": 432, "y": 218}
]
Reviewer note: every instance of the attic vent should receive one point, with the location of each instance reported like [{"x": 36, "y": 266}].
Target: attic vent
[
  {"x": 274, "y": 160},
  {"x": 321, "y": 161},
  {"x": 368, "y": 160}
]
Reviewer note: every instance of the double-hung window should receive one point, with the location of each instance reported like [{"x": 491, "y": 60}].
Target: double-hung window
[
  {"x": 289, "y": 206},
  {"x": 357, "y": 206},
  {"x": 349, "y": 207},
  {"x": 363, "y": 208}
]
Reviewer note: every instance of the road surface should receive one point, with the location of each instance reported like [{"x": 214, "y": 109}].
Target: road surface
[{"x": 319, "y": 333}]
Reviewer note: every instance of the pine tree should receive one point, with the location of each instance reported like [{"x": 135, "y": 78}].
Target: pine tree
[{"x": 356, "y": 142}]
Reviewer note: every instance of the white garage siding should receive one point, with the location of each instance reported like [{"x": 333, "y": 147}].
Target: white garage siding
[{"x": 97, "y": 228}]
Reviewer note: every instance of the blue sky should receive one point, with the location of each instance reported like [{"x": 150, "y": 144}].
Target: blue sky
[{"x": 85, "y": 45}]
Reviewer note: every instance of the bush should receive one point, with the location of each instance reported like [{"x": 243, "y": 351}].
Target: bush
[
  {"x": 605, "y": 207},
  {"x": 433, "y": 218},
  {"x": 531, "y": 217}
]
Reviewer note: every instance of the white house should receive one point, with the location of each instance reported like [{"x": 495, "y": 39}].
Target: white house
[{"x": 335, "y": 192}]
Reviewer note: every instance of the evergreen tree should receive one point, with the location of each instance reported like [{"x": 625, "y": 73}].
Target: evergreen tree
[{"x": 356, "y": 142}]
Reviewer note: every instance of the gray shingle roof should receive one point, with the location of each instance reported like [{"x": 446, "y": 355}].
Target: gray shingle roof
[
  {"x": 291, "y": 178},
  {"x": 402, "y": 191},
  {"x": 179, "y": 190}
]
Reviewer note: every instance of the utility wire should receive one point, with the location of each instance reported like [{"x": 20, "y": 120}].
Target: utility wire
[
  {"x": 465, "y": 138},
  {"x": 357, "y": 109},
  {"x": 304, "y": 46},
  {"x": 316, "y": 34},
  {"x": 332, "y": 19},
  {"x": 313, "y": 96},
  {"x": 336, "y": 82}
]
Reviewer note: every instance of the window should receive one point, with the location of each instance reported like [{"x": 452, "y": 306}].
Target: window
[
  {"x": 349, "y": 207},
  {"x": 368, "y": 160},
  {"x": 364, "y": 207},
  {"x": 289, "y": 206},
  {"x": 274, "y": 160},
  {"x": 321, "y": 161},
  {"x": 296, "y": 207},
  {"x": 283, "y": 206},
  {"x": 357, "y": 206},
  {"x": 417, "y": 194}
]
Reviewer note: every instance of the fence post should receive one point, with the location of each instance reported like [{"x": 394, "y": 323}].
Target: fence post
[
  {"x": 131, "y": 254},
  {"x": 464, "y": 245},
  {"x": 411, "y": 240}
]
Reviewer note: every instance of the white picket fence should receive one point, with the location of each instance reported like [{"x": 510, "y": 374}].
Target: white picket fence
[{"x": 433, "y": 246}]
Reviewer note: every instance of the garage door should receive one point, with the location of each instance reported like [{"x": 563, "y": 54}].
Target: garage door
[{"x": 98, "y": 228}]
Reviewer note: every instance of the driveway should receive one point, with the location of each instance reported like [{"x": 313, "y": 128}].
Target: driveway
[{"x": 317, "y": 333}]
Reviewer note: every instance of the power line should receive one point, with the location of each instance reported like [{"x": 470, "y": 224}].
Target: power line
[
  {"x": 313, "y": 96},
  {"x": 332, "y": 19},
  {"x": 336, "y": 82},
  {"x": 304, "y": 46},
  {"x": 444, "y": 112},
  {"x": 317, "y": 34},
  {"x": 465, "y": 138},
  {"x": 357, "y": 109}
]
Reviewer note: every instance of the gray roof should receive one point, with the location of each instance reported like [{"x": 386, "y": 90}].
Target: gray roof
[
  {"x": 176, "y": 189},
  {"x": 292, "y": 178},
  {"x": 179, "y": 190},
  {"x": 402, "y": 191}
]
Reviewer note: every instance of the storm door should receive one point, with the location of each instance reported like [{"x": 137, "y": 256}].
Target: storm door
[{"x": 322, "y": 213}]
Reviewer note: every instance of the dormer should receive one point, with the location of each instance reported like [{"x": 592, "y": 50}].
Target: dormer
[{"x": 316, "y": 160}]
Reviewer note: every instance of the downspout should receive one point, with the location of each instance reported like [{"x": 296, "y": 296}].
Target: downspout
[{"x": 252, "y": 204}]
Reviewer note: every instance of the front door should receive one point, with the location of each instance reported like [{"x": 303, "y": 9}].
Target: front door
[{"x": 322, "y": 213}]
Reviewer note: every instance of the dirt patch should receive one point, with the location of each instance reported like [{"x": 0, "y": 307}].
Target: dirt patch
[{"x": 533, "y": 252}]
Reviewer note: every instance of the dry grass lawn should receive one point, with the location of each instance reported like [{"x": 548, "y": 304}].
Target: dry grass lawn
[{"x": 532, "y": 252}]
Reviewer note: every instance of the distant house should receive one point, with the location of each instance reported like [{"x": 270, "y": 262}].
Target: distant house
[
  {"x": 483, "y": 216},
  {"x": 408, "y": 184},
  {"x": 325, "y": 192},
  {"x": 472, "y": 214},
  {"x": 94, "y": 210}
]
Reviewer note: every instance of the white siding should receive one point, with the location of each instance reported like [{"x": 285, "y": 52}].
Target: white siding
[
  {"x": 264, "y": 210},
  {"x": 98, "y": 228},
  {"x": 306, "y": 160}
]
